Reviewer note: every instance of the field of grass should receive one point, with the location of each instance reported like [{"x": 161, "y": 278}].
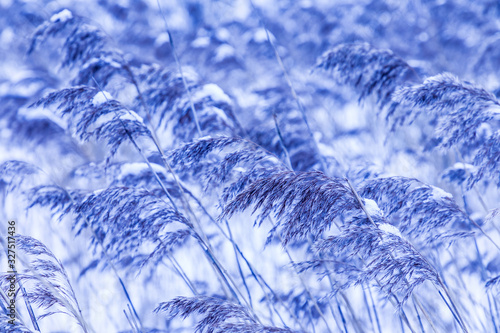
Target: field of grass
[{"x": 249, "y": 166}]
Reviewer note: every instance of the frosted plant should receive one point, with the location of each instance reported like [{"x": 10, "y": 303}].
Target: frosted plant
[
  {"x": 369, "y": 70},
  {"x": 45, "y": 280},
  {"x": 423, "y": 213},
  {"x": 460, "y": 107},
  {"x": 218, "y": 315},
  {"x": 185, "y": 160},
  {"x": 302, "y": 203},
  {"x": 92, "y": 114}
]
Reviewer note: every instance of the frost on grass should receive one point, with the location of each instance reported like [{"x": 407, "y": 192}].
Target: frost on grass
[
  {"x": 89, "y": 116},
  {"x": 56, "y": 198},
  {"x": 119, "y": 95},
  {"x": 217, "y": 315},
  {"x": 45, "y": 281},
  {"x": 279, "y": 127},
  {"x": 122, "y": 219},
  {"x": 460, "y": 107},
  {"x": 63, "y": 16},
  {"x": 387, "y": 258},
  {"x": 303, "y": 204},
  {"x": 14, "y": 173},
  {"x": 421, "y": 212},
  {"x": 225, "y": 162},
  {"x": 82, "y": 42},
  {"x": 488, "y": 161},
  {"x": 170, "y": 104},
  {"x": 465, "y": 116},
  {"x": 369, "y": 70}
]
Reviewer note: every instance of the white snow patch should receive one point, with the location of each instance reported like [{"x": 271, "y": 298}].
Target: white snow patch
[
  {"x": 201, "y": 42},
  {"x": 244, "y": 99},
  {"x": 101, "y": 97},
  {"x": 389, "y": 228},
  {"x": 16, "y": 74},
  {"x": 162, "y": 39},
  {"x": 348, "y": 119},
  {"x": 223, "y": 52},
  {"x": 99, "y": 191},
  {"x": 241, "y": 9},
  {"x": 189, "y": 74},
  {"x": 260, "y": 36},
  {"x": 62, "y": 16},
  {"x": 137, "y": 168},
  {"x": 326, "y": 150},
  {"x": 372, "y": 208},
  {"x": 495, "y": 109},
  {"x": 178, "y": 18},
  {"x": 7, "y": 35},
  {"x": 222, "y": 34},
  {"x": 460, "y": 166},
  {"x": 214, "y": 92},
  {"x": 221, "y": 114},
  {"x": 240, "y": 169},
  {"x": 112, "y": 63},
  {"x": 417, "y": 63},
  {"x": 41, "y": 113},
  {"x": 131, "y": 115},
  {"x": 438, "y": 193},
  {"x": 105, "y": 118},
  {"x": 109, "y": 60},
  {"x": 485, "y": 129}
]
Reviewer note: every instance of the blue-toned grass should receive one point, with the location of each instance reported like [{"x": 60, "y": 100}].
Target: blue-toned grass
[{"x": 216, "y": 166}]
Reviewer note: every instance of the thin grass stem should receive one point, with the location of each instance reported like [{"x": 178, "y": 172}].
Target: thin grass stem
[
  {"x": 171, "y": 41},
  {"x": 303, "y": 282}
]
